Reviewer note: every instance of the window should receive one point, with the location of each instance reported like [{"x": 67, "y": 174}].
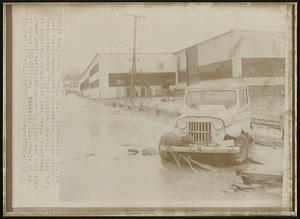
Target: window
[{"x": 242, "y": 97}]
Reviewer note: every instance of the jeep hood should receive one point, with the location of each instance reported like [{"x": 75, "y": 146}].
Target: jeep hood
[{"x": 217, "y": 111}]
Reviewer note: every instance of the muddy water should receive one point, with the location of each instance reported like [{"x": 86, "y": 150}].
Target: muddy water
[{"x": 96, "y": 167}]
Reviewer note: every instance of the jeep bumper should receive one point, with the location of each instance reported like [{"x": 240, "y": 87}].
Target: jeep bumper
[{"x": 226, "y": 147}]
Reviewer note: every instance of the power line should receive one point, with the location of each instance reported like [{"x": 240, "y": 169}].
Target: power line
[{"x": 133, "y": 71}]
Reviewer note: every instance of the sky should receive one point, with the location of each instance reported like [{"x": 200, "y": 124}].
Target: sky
[{"x": 166, "y": 27}]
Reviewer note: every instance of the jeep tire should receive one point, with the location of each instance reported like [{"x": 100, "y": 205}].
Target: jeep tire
[
  {"x": 243, "y": 142},
  {"x": 164, "y": 155}
]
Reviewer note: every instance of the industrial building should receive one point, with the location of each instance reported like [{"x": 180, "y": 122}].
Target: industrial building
[
  {"x": 256, "y": 56},
  {"x": 109, "y": 75}
]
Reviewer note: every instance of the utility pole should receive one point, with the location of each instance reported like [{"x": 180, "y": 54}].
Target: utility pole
[{"x": 133, "y": 70}]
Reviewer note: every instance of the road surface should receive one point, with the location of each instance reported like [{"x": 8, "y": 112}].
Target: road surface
[{"x": 96, "y": 167}]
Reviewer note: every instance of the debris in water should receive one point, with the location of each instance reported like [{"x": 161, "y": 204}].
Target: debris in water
[
  {"x": 132, "y": 151},
  {"x": 189, "y": 163},
  {"x": 241, "y": 187},
  {"x": 149, "y": 152},
  {"x": 238, "y": 180},
  {"x": 261, "y": 178},
  {"x": 205, "y": 166},
  {"x": 90, "y": 155},
  {"x": 125, "y": 145},
  {"x": 260, "y": 175},
  {"x": 254, "y": 161},
  {"x": 176, "y": 159}
]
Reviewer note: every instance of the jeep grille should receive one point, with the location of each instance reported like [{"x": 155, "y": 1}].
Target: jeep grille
[{"x": 200, "y": 131}]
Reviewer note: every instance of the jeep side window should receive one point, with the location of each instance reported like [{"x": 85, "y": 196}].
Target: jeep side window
[{"x": 242, "y": 97}]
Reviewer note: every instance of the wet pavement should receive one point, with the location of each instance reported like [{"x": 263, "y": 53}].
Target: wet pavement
[{"x": 96, "y": 166}]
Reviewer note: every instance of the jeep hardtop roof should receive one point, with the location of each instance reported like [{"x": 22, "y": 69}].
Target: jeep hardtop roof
[{"x": 231, "y": 83}]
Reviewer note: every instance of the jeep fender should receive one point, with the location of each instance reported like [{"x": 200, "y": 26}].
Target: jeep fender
[
  {"x": 242, "y": 126},
  {"x": 234, "y": 130}
]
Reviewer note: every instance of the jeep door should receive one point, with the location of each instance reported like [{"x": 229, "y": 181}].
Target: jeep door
[{"x": 245, "y": 109}]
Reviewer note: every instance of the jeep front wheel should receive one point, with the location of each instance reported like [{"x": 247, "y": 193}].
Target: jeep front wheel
[
  {"x": 242, "y": 142},
  {"x": 165, "y": 155}
]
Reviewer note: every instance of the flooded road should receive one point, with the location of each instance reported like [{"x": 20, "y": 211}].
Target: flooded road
[{"x": 96, "y": 167}]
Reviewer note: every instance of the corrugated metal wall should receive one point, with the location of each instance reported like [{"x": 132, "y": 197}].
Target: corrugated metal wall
[
  {"x": 217, "y": 49},
  {"x": 260, "y": 44},
  {"x": 208, "y": 60},
  {"x": 182, "y": 60},
  {"x": 181, "y": 63},
  {"x": 192, "y": 65},
  {"x": 237, "y": 53}
]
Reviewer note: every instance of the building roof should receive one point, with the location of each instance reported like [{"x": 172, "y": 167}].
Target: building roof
[
  {"x": 226, "y": 33},
  {"x": 219, "y": 84}
]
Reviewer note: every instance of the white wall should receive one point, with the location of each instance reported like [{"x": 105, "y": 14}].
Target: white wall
[
  {"x": 257, "y": 44},
  {"x": 238, "y": 43},
  {"x": 116, "y": 63},
  {"x": 122, "y": 63},
  {"x": 121, "y": 91},
  {"x": 260, "y": 44},
  {"x": 150, "y": 63},
  {"x": 103, "y": 76},
  {"x": 93, "y": 93},
  {"x": 181, "y": 60},
  {"x": 264, "y": 81},
  {"x": 218, "y": 49},
  {"x": 85, "y": 93},
  {"x": 83, "y": 78}
]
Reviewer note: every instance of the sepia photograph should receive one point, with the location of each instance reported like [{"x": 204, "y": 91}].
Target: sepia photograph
[{"x": 149, "y": 109}]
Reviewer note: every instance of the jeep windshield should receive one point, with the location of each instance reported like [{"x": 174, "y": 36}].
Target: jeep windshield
[{"x": 227, "y": 98}]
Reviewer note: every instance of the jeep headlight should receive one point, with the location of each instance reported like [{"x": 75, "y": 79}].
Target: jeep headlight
[
  {"x": 218, "y": 125},
  {"x": 181, "y": 124}
]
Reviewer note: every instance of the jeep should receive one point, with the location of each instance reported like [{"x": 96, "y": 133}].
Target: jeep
[{"x": 216, "y": 119}]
